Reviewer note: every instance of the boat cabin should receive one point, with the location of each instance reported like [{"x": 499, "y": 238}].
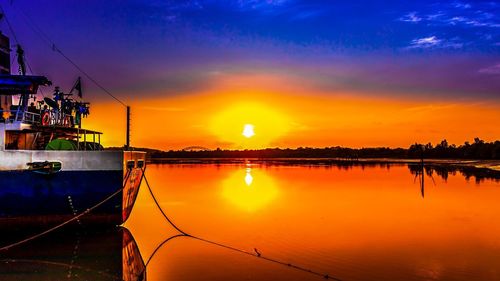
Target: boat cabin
[{"x": 49, "y": 124}]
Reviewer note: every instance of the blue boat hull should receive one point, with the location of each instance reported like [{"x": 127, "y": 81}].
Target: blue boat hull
[
  {"x": 32, "y": 199},
  {"x": 25, "y": 193}
]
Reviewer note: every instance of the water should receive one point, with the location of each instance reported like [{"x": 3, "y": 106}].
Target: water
[{"x": 371, "y": 222}]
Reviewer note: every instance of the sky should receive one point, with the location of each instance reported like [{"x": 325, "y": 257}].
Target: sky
[{"x": 301, "y": 72}]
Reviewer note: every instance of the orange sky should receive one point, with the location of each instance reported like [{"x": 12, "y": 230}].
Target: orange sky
[{"x": 289, "y": 114}]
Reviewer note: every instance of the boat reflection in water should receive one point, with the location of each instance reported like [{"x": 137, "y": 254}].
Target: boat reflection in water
[{"x": 75, "y": 255}]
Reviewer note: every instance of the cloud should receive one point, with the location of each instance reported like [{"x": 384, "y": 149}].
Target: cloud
[
  {"x": 470, "y": 21},
  {"x": 461, "y": 5},
  {"x": 260, "y": 3},
  {"x": 457, "y": 14},
  {"x": 494, "y": 70},
  {"x": 456, "y": 20},
  {"x": 426, "y": 42},
  {"x": 411, "y": 17},
  {"x": 433, "y": 42},
  {"x": 435, "y": 16}
]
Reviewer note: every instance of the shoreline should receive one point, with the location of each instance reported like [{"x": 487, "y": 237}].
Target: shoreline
[{"x": 492, "y": 165}]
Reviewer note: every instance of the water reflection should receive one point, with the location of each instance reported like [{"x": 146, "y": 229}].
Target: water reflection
[
  {"x": 248, "y": 177},
  {"x": 249, "y": 189},
  {"x": 75, "y": 255},
  {"x": 357, "y": 222},
  {"x": 421, "y": 171},
  {"x": 133, "y": 266},
  {"x": 444, "y": 171},
  {"x": 365, "y": 222}
]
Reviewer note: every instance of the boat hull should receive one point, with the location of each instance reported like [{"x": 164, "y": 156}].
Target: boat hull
[{"x": 31, "y": 199}]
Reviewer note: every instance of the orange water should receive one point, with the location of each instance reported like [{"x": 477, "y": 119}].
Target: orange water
[{"x": 358, "y": 223}]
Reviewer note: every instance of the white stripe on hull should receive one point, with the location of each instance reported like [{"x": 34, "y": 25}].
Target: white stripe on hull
[{"x": 70, "y": 160}]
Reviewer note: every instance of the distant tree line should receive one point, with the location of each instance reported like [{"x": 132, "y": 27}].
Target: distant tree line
[{"x": 479, "y": 149}]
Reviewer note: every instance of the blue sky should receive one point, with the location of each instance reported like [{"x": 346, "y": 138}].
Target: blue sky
[{"x": 424, "y": 49}]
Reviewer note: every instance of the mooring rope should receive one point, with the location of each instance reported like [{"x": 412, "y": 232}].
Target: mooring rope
[
  {"x": 161, "y": 245},
  {"x": 256, "y": 254},
  {"x": 74, "y": 218}
]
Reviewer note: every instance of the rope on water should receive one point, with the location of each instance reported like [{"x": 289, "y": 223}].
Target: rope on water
[
  {"x": 161, "y": 245},
  {"x": 256, "y": 254},
  {"x": 75, "y": 218},
  {"x": 161, "y": 209}
]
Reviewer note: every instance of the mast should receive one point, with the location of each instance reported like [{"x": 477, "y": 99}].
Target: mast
[
  {"x": 6, "y": 100},
  {"x": 127, "y": 145},
  {"x": 20, "y": 60}
]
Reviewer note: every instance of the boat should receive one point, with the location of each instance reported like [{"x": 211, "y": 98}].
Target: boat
[
  {"x": 99, "y": 254},
  {"x": 51, "y": 167}
]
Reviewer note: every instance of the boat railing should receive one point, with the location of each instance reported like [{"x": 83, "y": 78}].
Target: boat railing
[
  {"x": 29, "y": 117},
  {"x": 55, "y": 117}
]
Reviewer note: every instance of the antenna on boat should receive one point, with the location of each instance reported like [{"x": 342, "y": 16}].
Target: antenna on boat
[
  {"x": 127, "y": 145},
  {"x": 20, "y": 60}
]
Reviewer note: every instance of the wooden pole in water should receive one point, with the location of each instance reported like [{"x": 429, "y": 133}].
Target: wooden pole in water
[{"x": 127, "y": 145}]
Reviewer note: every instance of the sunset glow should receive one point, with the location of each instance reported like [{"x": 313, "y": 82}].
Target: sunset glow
[
  {"x": 329, "y": 76},
  {"x": 345, "y": 119},
  {"x": 227, "y": 125}
]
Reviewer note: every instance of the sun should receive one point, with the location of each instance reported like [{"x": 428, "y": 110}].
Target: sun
[
  {"x": 248, "y": 131},
  {"x": 249, "y": 125}
]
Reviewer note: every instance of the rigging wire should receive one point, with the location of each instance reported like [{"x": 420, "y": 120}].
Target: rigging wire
[
  {"x": 4, "y": 15},
  {"x": 8, "y": 24},
  {"x": 37, "y": 30},
  {"x": 257, "y": 254}
]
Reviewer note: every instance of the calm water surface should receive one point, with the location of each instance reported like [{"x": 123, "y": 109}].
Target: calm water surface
[
  {"x": 351, "y": 222},
  {"x": 354, "y": 223}
]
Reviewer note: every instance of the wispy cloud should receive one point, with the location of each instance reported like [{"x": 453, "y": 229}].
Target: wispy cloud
[
  {"x": 455, "y": 14},
  {"x": 433, "y": 42},
  {"x": 461, "y": 5},
  {"x": 172, "y": 11},
  {"x": 426, "y": 42},
  {"x": 478, "y": 22},
  {"x": 435, "y": 16},
  {"x": 257, "y": 4},
  {"x": 457, "y": 20},
  {"x": 494, "y": 69},
  {"x": 411, "y": 17}
]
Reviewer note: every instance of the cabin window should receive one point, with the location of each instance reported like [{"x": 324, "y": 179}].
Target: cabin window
[
  {"x": 17, "y": 140},
  {"x": 140, "y": 163},
  {"x": 130, "y": 164}
]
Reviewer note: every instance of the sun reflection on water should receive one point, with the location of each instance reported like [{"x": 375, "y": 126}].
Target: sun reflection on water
[
  {"x": 249, "y": 189},
  {"x": 248, "y": 177}
]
